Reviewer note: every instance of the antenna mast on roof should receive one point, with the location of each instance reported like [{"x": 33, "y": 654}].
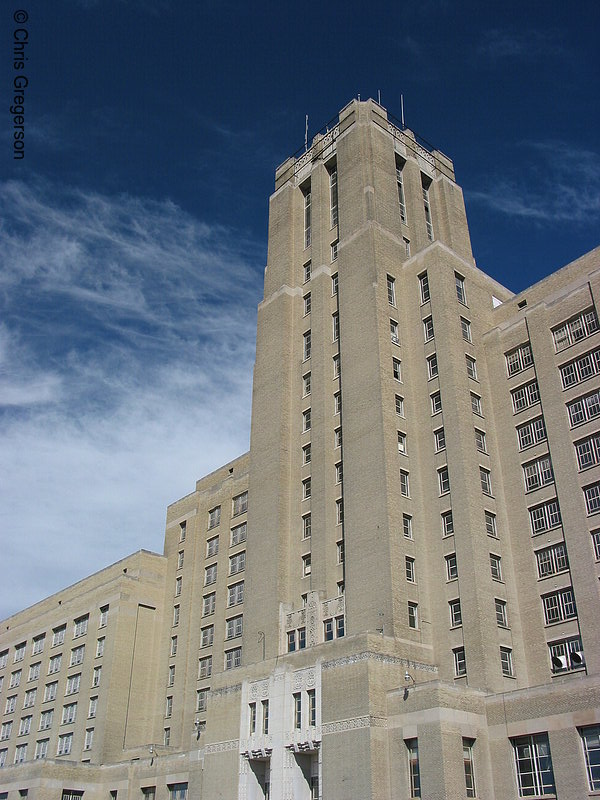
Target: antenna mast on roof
[
  {"x": 306, "y": 133},
  {"x": 379, "y": 96},
  {"x": 402, "y": 109}
]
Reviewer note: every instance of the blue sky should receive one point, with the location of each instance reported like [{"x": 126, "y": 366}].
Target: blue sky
[{"x": 133, "y": 233}]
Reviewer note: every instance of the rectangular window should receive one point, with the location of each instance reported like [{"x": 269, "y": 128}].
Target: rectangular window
[
  {"x": 476, "y": 404},
  {"x": 391, "y": 290},
  {"x": 3, "y": 659},
  {"x": 480, "y": 442},
  {"x": 58, "y": 635},
  {"x": 485, "y": 480},
  {"x": 15, "y": 679},
  {"x": 96, "y": 675},
  {"x": 447, "y": 523},
  {"x": 335, "y": 325},
  {"x": 584, "y": 408},
  {"x": 306, "y": 345},
  {"x": 592, "y": 498},
  {"x": 205, "y": 667},
  {"x": 537, "y": 473},
  {"x": 306, "y": 420},
  {"x": 20, "y": 651},
  {"x": 460, "y": 662},
  {"x": 212, "y": 547},
  {"x": 234, "y": 627},
  {"x": 394, "y": 335},
  {"x": 306, "y": 565},
  {"x": 25, "y": 723},
  {"x": 439, "y": 438},
  {"x": 402, "y": 443},
  {"x": 20, "y": 754},
  {"x": 265, "y": 717},
  {"x": 233, "y": 658},
  {"x": 432, "y": 366},
  {"x": 238, "y": 534},
  {"x": 50, "y": 691},
  {"x": 465, "y": 327},
  {"x": 180, "y": 557},
  {"x": 451, "y": 567},
  {"x": 77, "y": 655},
  {"x": 459, "y": 283},
  {"x": 306, "y": 488},
  {"x": 396, "y": 369},
  {"x": 496, "y": 567},
  {"x": 306, "y": 384},
  {"x": 525, "y": 396},
  {"x": 207, "y": 636},
  {"x": 173, "y": 648},
  {"x": 178, "y": 791},
  {"x": 566, "y": 655},
  {"x": 501, "y": 618},
  {"x": 588, "y": 451},
  {"x": 46, "y": 720},
  {"x": 182, "y": 532},
  {"x": 80, "y": 626},
  {"x": 337, "y": 403},
  {"x": 340, "y": 552},
  {"x": 471, "y": 367},
  {"x": 400, "y": 188},
  {"x": 38, "y": 644},
  {"x": 455, "y": 613},
  {"x": 11, "y": 704},
  {"x": 312, "y": 707},
  {"x": 65, "y": 742},
  {"x": 235, "y": 594},
  {"x": 414, "y": 774},
  {"x": 34, "y": 669},
  {"x": 175, "y": 616},
  {"x": 306, "y": 526},
  {"x": 307, "y": 304},
  {"x": 436, "y": 403},
  {"x": 334, "y": 284},
  {"x": 73, "y": 683},
  {"x": 428, "y": 329},
  {"x": 333, "y": 197},
  {"x": 399, "y": 405},
  {"x": 240, "y": 504},
  {"x": 426, "y": 183},
  {"x": 339, "y": 472},
  {"x": 518, "y": 359},
  {"x": 596, "y": 543},
  {"x": 307, "y": 271},
  {"x": 410, "y": 569},
  {"x": 444, "y": 480},
  {"x": 574, "y": 330},
  {"x": 532, "y": 432},
  {"x": 237, "y": 563},
  {"x": 252, "y": 718},
  {"x": 6, "y": 730},
  {"x": 41, "y": 749},
  {"x": 404, "y": 484},
  {"x": 210, "y": 575},
  {"x": 424, "y": 288},
  {"x": 468, "y": 745},
  {"x": 178, "y": 584},
  {"x": 580, "y": 369},
  {"x": 30, "y": 696},
  {"x": 590, "y": 740},
  {"x": 209, "y": 603},
  {"x": 552, "y": 560},
  {"x": 506, "y": 662},
  {"x": 89, "y": 739},
  {"x": 413, "y": 615},
  {"x": 407, "y": 526},
  {"x": 297, "y": 697},
  {"x": 334, "y": 251},
  {"x": 307, "y": 218},
  {"x": 214, "y": 517},
  {"x": 336, "y": 366},
  {"x": 533, "y": 763},
  {"x": 406, "y": 246},
  {"x": 559, "y": 606},
  {"x": 545, "y": 516}
]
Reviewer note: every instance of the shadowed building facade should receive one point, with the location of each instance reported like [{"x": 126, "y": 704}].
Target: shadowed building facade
[{"x": 395, "y": 593}]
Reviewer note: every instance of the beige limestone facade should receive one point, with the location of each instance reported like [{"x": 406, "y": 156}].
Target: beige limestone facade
[{"x": 395, "y": 593}]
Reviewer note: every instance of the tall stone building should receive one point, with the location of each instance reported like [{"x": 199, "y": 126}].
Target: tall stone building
[{"x": 395, "y": 593}]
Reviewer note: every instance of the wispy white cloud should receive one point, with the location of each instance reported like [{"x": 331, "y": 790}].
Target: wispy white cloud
[
  {"x": 126, "y": 353},
  {"x": 520, "y": 45},
  {"x": 561, "y": 184}
]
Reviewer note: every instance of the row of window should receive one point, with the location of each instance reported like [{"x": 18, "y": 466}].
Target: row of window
[
  {"x": 239, "y": 505},
  {"x": 54, "y": 665},
  {"x": 80, "y": 628},
  {"x": 71, "y": 686},
  {"x": 237, "y": 563},
  {"x": 532, "y": 759}
]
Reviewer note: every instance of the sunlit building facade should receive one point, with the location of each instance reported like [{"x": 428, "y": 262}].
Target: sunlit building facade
[{"x": 395, "y": 592}]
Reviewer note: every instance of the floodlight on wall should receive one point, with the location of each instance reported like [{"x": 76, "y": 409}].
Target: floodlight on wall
[{"x": 408, "y": 682}]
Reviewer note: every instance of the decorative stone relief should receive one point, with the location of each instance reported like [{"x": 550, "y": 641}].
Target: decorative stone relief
[
  {"x": 311, "y": 623},
  {"x": 382, "y": 658},
  {"x": 226, "y": 690},
  {"x": 222, "y": 747}
]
